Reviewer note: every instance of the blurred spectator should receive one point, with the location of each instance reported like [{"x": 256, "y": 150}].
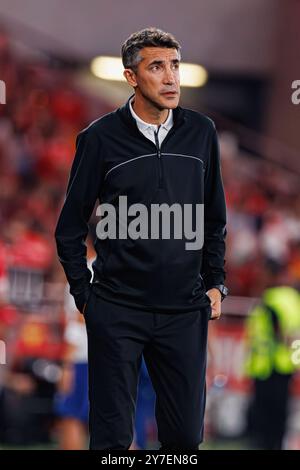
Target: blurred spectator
[
  {"x": 145, "y": 424},
  {"x": 71, "y": 400},
  {"x": 271, "y": 328}
]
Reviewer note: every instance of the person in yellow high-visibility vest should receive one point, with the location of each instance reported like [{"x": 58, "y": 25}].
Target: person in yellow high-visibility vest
[{"x": 271, "y": 328}]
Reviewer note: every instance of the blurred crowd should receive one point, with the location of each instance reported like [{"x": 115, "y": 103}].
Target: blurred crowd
[
  {"x": 263, "y": 202},
  {"x": 43, "y": 113},
  {"x": 39, "y": 122}
]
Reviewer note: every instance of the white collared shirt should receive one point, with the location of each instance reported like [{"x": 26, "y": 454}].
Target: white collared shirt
[{"x": 148, "y": 129}]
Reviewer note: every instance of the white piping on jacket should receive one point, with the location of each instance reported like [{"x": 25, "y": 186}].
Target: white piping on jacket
[
  {"x": 182, "y": 155},
  {"x": 150, "y": 155},
  {"x": 128, "y": 161}
]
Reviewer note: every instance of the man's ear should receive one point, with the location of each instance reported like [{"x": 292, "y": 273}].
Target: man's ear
[{"x": 130, "y": 77}]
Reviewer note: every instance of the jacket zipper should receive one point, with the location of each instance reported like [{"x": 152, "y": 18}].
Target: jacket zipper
[
  {"x": 158, "y": 149},
  {"x": 160, "y": 183},
  {"x": 159, "y": 153}
]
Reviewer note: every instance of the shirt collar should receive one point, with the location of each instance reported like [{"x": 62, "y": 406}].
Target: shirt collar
[{"x": 145, "y": 125}]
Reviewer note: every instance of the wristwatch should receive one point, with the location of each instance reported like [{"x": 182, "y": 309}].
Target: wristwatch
[{"x": 223, "y": 289}]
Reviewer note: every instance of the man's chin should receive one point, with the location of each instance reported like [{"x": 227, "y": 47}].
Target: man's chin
[{"x": 169, "y": 102}]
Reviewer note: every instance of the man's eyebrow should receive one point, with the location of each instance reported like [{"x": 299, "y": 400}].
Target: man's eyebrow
[{"x": 158, "y": 62}]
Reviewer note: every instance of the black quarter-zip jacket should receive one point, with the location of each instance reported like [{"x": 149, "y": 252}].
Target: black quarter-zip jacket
[{"x": 113, "y": 158}]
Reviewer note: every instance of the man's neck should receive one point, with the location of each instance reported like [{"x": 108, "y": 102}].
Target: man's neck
[{"x": 149, "y": 114}]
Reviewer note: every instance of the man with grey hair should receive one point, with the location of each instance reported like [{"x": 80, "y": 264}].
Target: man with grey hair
[{"x": 149, "y": 296}]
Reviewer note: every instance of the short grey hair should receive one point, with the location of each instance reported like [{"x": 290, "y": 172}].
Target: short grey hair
[{"x": 148, "y": 37}]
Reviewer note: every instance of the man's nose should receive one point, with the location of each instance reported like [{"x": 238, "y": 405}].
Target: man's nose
[{"x": 169, "y": 76}]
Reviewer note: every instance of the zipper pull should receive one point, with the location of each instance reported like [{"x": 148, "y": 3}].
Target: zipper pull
[
  {"x": 159, "y": 157},
  {"x": 157, "y": 141}
]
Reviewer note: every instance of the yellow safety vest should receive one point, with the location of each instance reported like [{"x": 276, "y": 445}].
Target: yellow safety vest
[{"x": 267, "y": 352}]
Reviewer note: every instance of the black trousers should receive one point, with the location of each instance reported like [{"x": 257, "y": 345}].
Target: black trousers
[
  {"x": 269, "y": 410},
  {"x": 174, "y": 349}
]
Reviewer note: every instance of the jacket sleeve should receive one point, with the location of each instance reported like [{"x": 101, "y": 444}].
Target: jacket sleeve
[
  {"x": 83, "y": 188},
  {"x": 213, "y": 260}
]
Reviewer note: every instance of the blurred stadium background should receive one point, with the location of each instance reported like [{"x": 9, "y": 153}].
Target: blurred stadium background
[{"x": 250, "y": 52}]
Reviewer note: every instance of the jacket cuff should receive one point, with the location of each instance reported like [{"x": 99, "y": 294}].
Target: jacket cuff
[
  {"x": 212, "y": 281},
  {"x": 81, "y": 298}
]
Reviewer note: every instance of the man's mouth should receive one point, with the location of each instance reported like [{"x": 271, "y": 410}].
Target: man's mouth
[{"x": 170, "y": 93}]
